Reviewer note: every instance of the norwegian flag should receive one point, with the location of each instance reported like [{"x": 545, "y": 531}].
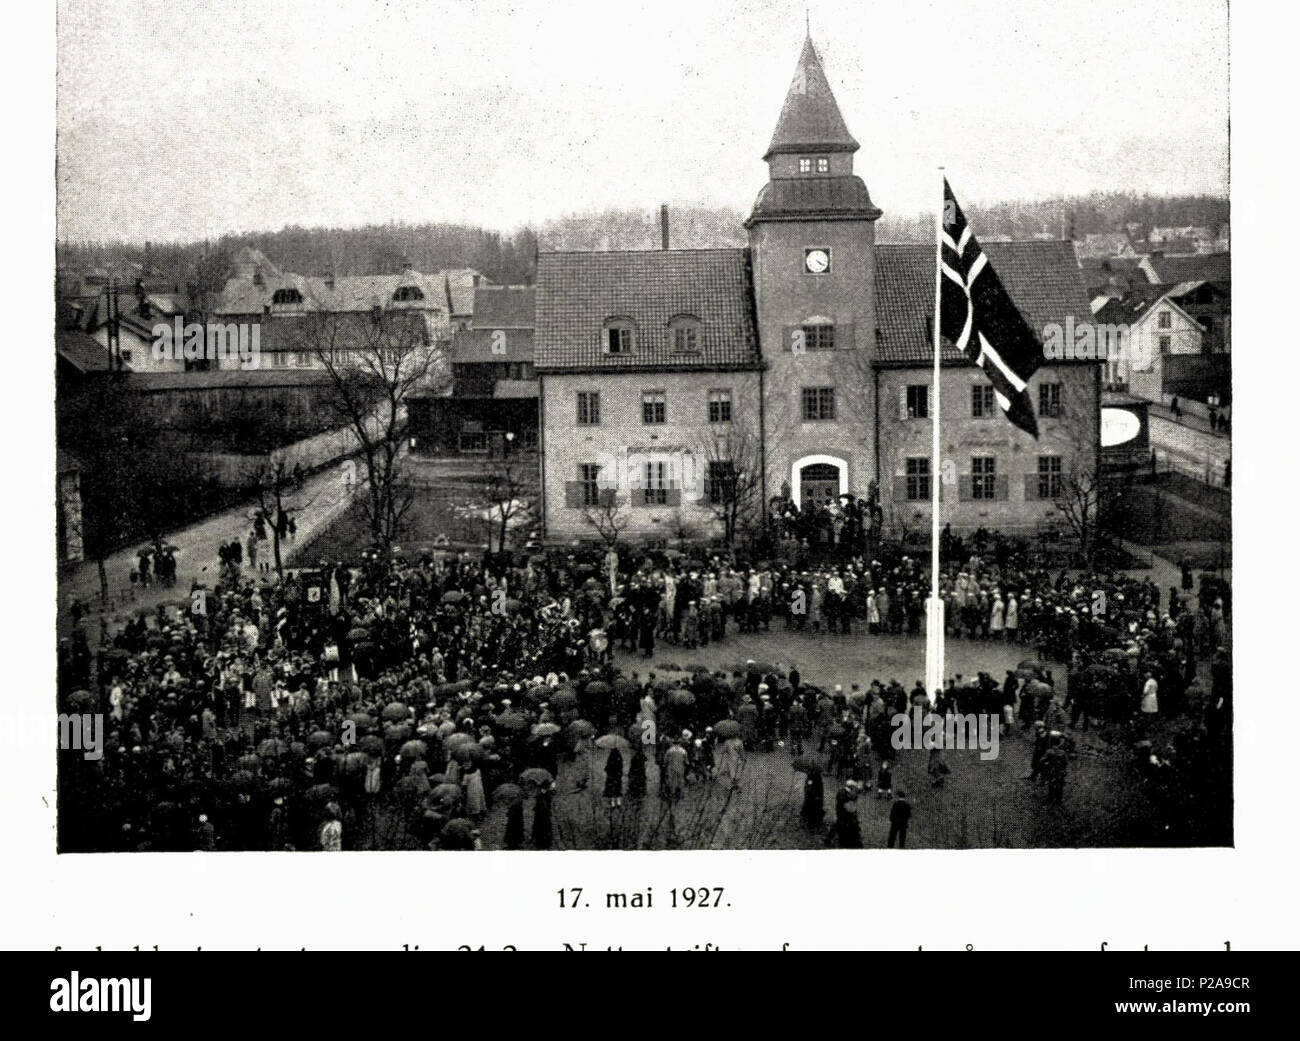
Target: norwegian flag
[{"x": 977, "y": 315}]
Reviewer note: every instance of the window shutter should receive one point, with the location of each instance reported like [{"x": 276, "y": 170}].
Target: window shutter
[
  {"x": 572, "y": 494},
  {"x": 674, "y": 496},
  {"x": 637, "y": 496},
  {"x": 1001, "y": 488},
  {"x": 902, "y": 402},
  {"x": 900, "y": 488}
]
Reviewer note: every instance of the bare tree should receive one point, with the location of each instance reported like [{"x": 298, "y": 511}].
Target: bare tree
[
  {"x": 376, "y": 363},
  {"x": 732, "y": 476},
  {"x": 1079, "y": 505},
  {"x": 608, "y": 515},
  {"x": 506, "y": 485}
]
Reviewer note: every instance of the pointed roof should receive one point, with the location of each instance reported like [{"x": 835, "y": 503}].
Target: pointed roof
[{"x": 810, "y": 118}]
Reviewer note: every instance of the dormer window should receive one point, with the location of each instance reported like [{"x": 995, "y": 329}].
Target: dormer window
[
  {"x": 620, "y": 336},
  {"x": 684, "y": 332},
  {"x": 286, "y": 296},
  {"x": 404, "y": 294}
]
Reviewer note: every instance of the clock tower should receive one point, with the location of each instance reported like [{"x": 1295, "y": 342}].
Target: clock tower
[{"x": 812, "y": 241}]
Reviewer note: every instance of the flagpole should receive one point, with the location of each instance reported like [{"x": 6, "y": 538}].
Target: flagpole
[{"x": 934, "y": 614}]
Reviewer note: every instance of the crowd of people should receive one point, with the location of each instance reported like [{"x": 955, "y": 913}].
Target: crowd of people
[{"x": 393, "y": 703}]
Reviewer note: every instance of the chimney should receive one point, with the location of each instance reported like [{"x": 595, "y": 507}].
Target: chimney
[{"x": 663, "y": 225}]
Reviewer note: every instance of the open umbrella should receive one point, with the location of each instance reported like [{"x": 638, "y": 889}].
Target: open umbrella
[
  {"x": 297, "y": 749},
  {"x": 81, "y": 699},
  {"x": 581, "y": 728},
  {"x": 726, "y": 729},
  {"x": 361, "y": 720},
  {"x": 446, "y": 792},
  {"x": 1115, "y": 654},
  {"x": 458, "y": 834},
  {"x": 613, "y": 741},
  {"x": 808, "y": 762},
  {"x": 458, "y": 740},
  {"x": 1038, "y": 687},
  {"x": 593, "y": 585},
  {"x": 244, "y": 780},
  {"x": 564, "y": 699},
  {"x": 467, "y": 753},
  {"x": 511, "y": 604},
  {"x": 538, "y": 693},
  {"x": 545, "y": 729},
  {"x": 453, "y": 596},
  {"x": 511, "y": 721},
  {"x": 395, "y": 711},
  {"x": 397, "y": 732},
  {"x": 507, "y": 793},
  {"x": 414, "y": 750},
  {"x": 248, "y": 762},
  {"x": 358, "y": 634},
  {"x": 272, "y": 748},
  {"x": 681, "y": 696},
  {"x": 320, "y": 738},
  {"x": 598, "y": 687},
  {"x": 371, "y": 744},
  {"x": 280, "y": 786},
  {"x": 536, "y": 775}
]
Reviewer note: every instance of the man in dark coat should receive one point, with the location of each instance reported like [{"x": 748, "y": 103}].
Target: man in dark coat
[{"x": 900, "y": 814}]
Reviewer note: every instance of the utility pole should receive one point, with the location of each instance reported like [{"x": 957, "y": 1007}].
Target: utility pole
[{"x": 112, "y": 314}]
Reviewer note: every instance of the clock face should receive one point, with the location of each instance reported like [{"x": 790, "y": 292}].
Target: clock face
[{"x": 817, "y": 261}]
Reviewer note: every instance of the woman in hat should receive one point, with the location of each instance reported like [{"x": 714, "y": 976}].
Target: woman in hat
[{"x": 614, "y": 778}]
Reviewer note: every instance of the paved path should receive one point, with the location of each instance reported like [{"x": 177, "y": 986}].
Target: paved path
[{"x": 322, "y": 498}]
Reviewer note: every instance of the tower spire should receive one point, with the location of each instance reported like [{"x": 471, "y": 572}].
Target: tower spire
[{"x": 810, "y": 118}]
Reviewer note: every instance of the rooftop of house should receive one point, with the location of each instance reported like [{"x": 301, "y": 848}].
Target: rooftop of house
[{"x": 579, "y": 293}]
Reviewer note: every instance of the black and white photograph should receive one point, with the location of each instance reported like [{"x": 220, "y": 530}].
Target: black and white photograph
[{"x": 736, "y": 426}]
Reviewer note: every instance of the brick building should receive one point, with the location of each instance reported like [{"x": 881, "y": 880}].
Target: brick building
[{"x": 806, "y": 356}]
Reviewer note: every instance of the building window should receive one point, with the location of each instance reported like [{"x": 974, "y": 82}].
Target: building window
[
  {"x": 983, "y": 479},
  {"x": 917, "y": 403},
  {"x": 589, "y": 484},
  {"x": 823, "y": 164},
  {"x": 303, "y": 358},
  {"x": 1164, "y": 344},
  {"x": 654, "y": 407},
  {"x": 684, "y": 332},
  {"x": 1049, "y": 399},
  {"x": 588, "y": 408},
  {"x": 279, "y": 360},
  {"x": 656, "y": 484},
  {"x": 805, "y": 165},
  {"x": 818, "y": 403},
  {"x": 1049, "y": 477},
  {"x": 721, "y": 480},
  {"x": 918, "y": 479},
  {"x": 720, "y": 406},
  {"x": 1163, "y": 320},
  {"x": 981, "y": 401},
  {"x": 286, "y": 296},
  {"x": 819, "y": 336},
  {"x": 620, "y": 337}
]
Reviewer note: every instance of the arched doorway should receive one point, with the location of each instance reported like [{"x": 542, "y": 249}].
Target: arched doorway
[{"x": 817, "y": 480}]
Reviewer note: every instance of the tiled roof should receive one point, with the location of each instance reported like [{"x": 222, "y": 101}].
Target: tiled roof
[
  {"x": 341, "y": 330},
  {"x": 363, "y": 292},
  {"x": 460, "y": 284},
  {"x": 243, "y": 296},
  {"x": 1043, "y": 279},
  {"x": 476, "y": 345},
  {"x": 144, "y": 382},
  {"x": 804, "y": 198},
  {"x": 1198, "y": 267},
  {"x": 82, "y": 351},
  {"x": 810, "y": 118},
  {"x": 504, "y": 307},
  {"x": 577, "y": 292}
]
